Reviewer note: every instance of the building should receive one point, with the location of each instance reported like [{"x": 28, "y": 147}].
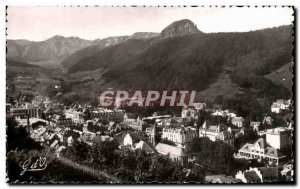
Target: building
[
  {"x": 217, "y": 132},
  {"x": 279, "y": 138},
  {"x": 261, "y": 151},
  {"x": 23, "y": 111},
  {"x": 76, "y": 115},
  {"x": 181, "y": 136},
  {"x": 80, "y": 115},
  {"x": 280, "y": 105},
  {"x": 255, "y": 125},
  {"x": 60, "y": 120},
  {"x": 134, "y": 123},
  {"x": 176, "y": 154},
  {"x": 171, "y": 122},
  {"x": 276, "y": 108},
  {"x": 108, "y": 115},
  {"x": 258, "y": 175},
  {"x": 238, "y": 121},
  {"x": 288, "y": 171},
  {"x": 199, "y": 106},
  {"x": 188, "y": 112}
]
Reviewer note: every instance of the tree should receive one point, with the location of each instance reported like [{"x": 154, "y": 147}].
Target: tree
[{"x": 18, "y": 137}]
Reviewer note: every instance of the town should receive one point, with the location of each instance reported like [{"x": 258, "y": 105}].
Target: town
[{"x": 204, "y": 143}]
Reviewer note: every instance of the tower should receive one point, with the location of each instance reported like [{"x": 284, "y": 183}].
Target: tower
[{"x": 154, "y": 134}]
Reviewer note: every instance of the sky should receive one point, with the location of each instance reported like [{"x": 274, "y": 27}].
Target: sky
[{"x": 41, "y": 22}]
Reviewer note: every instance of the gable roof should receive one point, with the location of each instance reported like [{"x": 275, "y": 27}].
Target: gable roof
[
  {"x": 168, "y": 149},
  {"x": 273, "y": 152},
  {"x": 146, "y": 146},
  {"x": 261, "y": 142}
]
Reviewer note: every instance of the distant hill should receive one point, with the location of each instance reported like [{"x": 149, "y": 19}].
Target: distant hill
[
  {"x": 101, "y": 44},
  {"x": 55, "y": 48}
]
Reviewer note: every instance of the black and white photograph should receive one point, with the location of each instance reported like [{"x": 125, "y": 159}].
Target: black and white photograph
[{"x": 150, "y": 95}]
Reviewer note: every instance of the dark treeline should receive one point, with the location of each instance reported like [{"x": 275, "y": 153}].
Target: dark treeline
[{"x": 131, "y": 166}]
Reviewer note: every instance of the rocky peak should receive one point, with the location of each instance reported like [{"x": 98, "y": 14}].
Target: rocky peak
[{"x": 179, "y": 28}]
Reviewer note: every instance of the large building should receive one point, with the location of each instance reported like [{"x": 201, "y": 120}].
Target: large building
[
  {"x": 279, "y": 138},
  {"x": 181, "y": 136},
  {"x": 25, "y": 111},
  {"x": 79, "y": 115},
  {"x": 217, "y": 132},
  {"x": 261, "y": 151},
  {"x": 108, "y": 115},
  {"x": 135, "y": 123}
]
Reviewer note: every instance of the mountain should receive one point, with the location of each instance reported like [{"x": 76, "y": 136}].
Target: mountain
[
  {"x": 181, "y": 57},
  {"x": 103, "y": 43},
  {"x": 186, "y": 59},
  {"x": 55, "y": 48},
  {"x": 179, "y": 28}
]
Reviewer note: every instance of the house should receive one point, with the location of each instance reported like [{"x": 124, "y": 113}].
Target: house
[
  {"x": 258, "y": 175},
  {"x": 280, "y": 105},
  {"x": 188, "y": 112},
  {"x": 288, "y": 171},
  {"x": 238, "y": 121},
  {"x": 176, "y": 154},
  {"x": 279, "y": 137},
  {"x": 276, "y": 108},
  {"x": 219, "y": 113},
  {"x": 199, "y": 106},
  {"x": 261, "y": 151},
  {"x": 267, "y": 120},
  {"x": 255, "y": 125}
]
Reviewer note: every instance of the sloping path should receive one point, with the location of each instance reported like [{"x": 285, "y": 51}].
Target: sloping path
[{"x": 94, "y": 172}]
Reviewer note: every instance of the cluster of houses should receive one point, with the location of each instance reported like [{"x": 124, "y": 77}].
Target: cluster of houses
[
  {"x": 160, "y": 134},
  {"x": 280, "y": 105}
]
